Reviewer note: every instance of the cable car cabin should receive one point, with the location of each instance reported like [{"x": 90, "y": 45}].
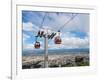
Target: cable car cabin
[
  {"x": 37, "y": 45},
  {"x": 57, "y": 40}
]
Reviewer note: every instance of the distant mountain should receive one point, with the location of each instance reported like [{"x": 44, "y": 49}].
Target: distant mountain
[{"x": 56, "y": 51}]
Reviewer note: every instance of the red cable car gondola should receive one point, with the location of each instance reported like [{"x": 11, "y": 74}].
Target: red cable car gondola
[
  {"x": 57, "y": 39},
  {"x": 37, "y": 45}
]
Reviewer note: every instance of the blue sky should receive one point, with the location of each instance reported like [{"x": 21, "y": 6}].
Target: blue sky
[{"x": 75, "y": 34}]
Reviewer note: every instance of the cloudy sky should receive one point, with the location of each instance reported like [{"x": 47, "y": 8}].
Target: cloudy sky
[{"x": 75, "y": 34}]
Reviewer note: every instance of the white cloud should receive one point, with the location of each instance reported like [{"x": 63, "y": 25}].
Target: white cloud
[
  {"x": 27, "y": 26},
  {"x": 28, "y": 47},
  {"x": 30, "y": 27},
  {"x": 71, "y": 42},
  {"x": 75, "y": 42},
  {"x": 68, "y": 43},
  {"x": 25, "y": 37},
  {"x": 55, "y": 46}
]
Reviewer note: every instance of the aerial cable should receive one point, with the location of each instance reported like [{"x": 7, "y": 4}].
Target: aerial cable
[
  {"x": 73, "y": 16},
  {"x": 58, "y": 39},
  {"x": 41, "y": 25},
  {"x": 41, "y": 33}
]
